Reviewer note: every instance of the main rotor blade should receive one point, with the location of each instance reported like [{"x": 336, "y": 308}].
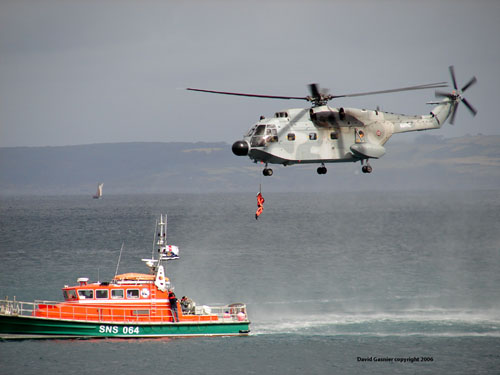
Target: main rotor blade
[
  {"x": 453, "y": 114},
  {"x": 452, "y": 73},
  {"x": 409, "y": 88},
  {"x": 250, "y": 95},
  {"x": 468, "y": 105},
  {"x": 313, "y": 87},
  {"x": 469, "y": 84}
]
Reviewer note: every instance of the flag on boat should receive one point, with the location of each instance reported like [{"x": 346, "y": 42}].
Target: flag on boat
[{"x": 169, "y": 252}]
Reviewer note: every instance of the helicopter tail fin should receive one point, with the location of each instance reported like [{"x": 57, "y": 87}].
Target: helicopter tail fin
[{"x": 443, "y": 111}]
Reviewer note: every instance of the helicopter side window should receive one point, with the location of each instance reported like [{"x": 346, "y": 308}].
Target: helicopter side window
[
  {"x": 359, "y": 136},
  {"x": 271, "y": 134},
  {"x": 290, "y": 136},
  {"x": 313, "y": 136}
]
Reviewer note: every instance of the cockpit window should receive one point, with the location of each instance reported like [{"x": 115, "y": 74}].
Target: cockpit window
[
  {"x": 250, "y": 132},
  {"x": 260, "y": 130},
  {"x": 263, "y": 135}
]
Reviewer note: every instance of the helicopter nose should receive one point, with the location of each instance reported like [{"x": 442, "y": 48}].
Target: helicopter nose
[{"x": 240, "y": 148}]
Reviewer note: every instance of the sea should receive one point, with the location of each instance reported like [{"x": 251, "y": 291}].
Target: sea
[{"x": 335, "y": 283}]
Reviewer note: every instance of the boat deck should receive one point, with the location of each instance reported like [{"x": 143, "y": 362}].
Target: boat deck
[{"x": 143, "y": 313}]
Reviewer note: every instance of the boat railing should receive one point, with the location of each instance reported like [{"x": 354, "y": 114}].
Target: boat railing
[
  {"x": 69, "y": 311},
  {"x": 14, "y": 307}
]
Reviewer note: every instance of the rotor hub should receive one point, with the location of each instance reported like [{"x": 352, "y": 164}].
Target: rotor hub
[{"x": 456, "y": 96}]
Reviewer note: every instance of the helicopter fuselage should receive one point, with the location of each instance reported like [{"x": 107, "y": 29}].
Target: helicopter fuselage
[{"x": 324, "y": 134}]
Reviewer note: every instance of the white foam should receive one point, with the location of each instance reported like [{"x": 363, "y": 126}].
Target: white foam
[{"x": 428, "y": 322}]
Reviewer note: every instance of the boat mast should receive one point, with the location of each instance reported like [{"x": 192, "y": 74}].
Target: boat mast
[
  {"x": 119, "y": 258},
  {"x": 162, "y": 239},
  {"x": 165, "y": 253},
  {"x": 154, "y": 240}
]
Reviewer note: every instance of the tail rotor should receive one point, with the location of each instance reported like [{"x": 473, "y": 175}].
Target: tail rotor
[{"x": 456, "y": 95}]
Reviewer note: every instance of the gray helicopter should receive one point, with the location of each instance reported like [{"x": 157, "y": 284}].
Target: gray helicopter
[{"x": 322, "y": 134}]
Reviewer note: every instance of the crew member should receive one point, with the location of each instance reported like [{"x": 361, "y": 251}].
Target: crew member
[
  {"x": 173, "y": 305},
  {"x": 187, "y": 305}
]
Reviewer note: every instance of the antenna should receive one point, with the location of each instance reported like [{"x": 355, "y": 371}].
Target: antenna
[
  {"x": 154, "y": 239},
  {"x": 166, "y": 226},
  {"x": 116, "y": 272}
]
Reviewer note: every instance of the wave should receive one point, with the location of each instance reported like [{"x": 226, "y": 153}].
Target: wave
[{"x": 435, "y": 322}]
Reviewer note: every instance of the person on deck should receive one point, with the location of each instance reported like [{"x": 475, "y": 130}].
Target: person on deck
[
  {"x": 187, "y": 305},
  {"x": 173, "y": 305}
]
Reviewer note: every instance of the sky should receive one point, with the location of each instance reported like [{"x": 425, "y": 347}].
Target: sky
[{"x": 99, "y": 71}]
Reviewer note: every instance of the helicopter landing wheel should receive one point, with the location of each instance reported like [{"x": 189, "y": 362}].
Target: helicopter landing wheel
[
  {"x": 322, "y": 170},
  {"x": 267, "y": 172},
  {"x": 366, "y": 168}
]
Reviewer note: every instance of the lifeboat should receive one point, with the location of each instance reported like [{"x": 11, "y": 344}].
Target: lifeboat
[{"x": 130, "y": 305}]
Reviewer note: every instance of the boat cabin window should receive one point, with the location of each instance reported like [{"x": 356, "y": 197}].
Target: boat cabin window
[
  {"x": 69, "y": 294},
  {"x": 101, "y": 293},
  {"x": 132, "y": 293},
  {"x": 117, "y": 293},
  {"x": 313, "y": 136},
  {"x": 334, "y": 135},
  {"x": 264, "y": 134},
  {"x": 86, "y": 293},
  {"x": 290, "y": 136}
]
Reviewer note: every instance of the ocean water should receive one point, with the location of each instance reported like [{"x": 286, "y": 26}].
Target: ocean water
[{"x": 395, "y": 282}]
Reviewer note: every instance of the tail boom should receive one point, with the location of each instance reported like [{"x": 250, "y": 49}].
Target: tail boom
[{"x": 437, "y": 117}]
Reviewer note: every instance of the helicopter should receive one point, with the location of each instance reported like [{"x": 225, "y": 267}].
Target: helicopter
[{"x": 322, "y": 134}]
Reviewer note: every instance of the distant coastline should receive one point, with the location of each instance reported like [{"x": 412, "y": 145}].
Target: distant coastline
[{"x": 428, "y": 163}]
